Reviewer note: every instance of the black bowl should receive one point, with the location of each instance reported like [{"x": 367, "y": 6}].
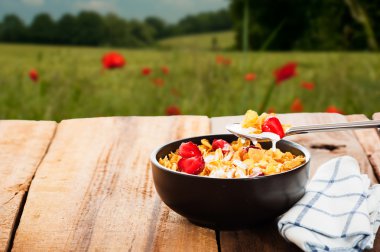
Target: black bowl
[{"x": 222, "y": 203}]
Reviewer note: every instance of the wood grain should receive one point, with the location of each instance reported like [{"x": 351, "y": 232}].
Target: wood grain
[
  {"x": 262, "y": 238},
  {"x": 23, "y": 144},
  {"x": 370, "y": 142},
  {"x": 323, "y": 147},
  {"x": 94, "y": 190},
  {"x": 376, "y": 116}
]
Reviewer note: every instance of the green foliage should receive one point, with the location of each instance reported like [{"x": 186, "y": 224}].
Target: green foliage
[
  {"x": 373, "y": 11},
  {"x": 159, "y": 26},
  {"x": 12, "y": 29},
  {"x": 307, "y": 25},
  {"x": 142, "y": 33},
  {"x": 73, "y": 84},
  {"x": 204, "y": 41},
  {"x": 91, "y": 28},
  {"x": 266, "y": 16},
  {"x": 66, "y": 29},
  {"x": 42, "y": 29},
  {"x": 116, "y": 31},
  {"x": 334, "y": 29},
  {"x": 204, "y": 22}
]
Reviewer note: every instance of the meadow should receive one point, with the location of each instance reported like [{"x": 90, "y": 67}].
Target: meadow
[
  {"x": 224, "y": 41},
  {"x": 73, "y": 84}
]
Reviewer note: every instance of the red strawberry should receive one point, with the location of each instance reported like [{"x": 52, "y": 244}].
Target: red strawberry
[
  {"x": 220, "y": 143},
  {"x": 192, "y": 165},
  {"x": 272, "y": 124},
  {"x": 188, "y": 150}
]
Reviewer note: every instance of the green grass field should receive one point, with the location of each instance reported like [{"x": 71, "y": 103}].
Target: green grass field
[
  {"x": 72, "y": 83},
  {"x": 225, "y": 40}
]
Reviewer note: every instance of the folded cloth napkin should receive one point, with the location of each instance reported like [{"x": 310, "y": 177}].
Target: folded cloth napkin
[{"x": 339, "y": 212}]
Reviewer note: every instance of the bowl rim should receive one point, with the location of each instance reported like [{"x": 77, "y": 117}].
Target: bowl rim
[{"x": 155, "y": 162}]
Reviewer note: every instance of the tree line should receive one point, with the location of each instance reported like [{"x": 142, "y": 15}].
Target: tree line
[
  {"x": 271, "y": 25},
  {"x": 308, "y": 25},
  {"x": 91, "y": 28}
]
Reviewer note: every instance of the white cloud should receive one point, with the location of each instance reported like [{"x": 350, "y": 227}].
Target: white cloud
[
  {"x": 33, "y": 2},
  {"x": 95, "y": 5}
]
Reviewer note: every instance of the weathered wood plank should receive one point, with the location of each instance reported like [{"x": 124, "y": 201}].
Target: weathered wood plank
[
  {"x": 262, "y": 238},
  {"x": 370, "y": 142},
  {"x": 323, "y": 146},
  {"x": 94, "y": 190},
  {"x": 376, "y": 116},
  {"x": 23, "y": 144}
]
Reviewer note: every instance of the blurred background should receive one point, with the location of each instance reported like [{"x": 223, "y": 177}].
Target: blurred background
[{"x": 88, "y": 58}]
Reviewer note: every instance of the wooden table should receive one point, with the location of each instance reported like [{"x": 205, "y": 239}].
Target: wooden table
[{"x": 86, "y": 184}]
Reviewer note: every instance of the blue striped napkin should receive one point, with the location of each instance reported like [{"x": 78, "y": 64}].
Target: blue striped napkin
[{"x": 339, "y": 212}]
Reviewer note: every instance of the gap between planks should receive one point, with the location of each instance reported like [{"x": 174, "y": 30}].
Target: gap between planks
[
  {"x": 76, "y": 184},
  {"x": 23, "y": 146},
  {"x": 25, "y": 196}
]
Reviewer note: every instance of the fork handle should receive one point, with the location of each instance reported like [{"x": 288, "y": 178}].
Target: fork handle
[{"x": 333, "y": 127}]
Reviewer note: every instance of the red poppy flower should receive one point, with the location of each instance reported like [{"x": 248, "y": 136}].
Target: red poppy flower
[
  {"x": 250, "y": 77},
  {"x": 146, "y": 71},
  {"x": 219, "y": 59},
  {"x": 285, "y": 72},
  {"x": 296, "y": 105},
  {"x": 33, "y": 75},
  {"x": 271, "y": 110},
  {"x": 165, "y": 70},
  {"x": 158, "y": 82},
  {"x": 308, "y": 85},
  {"x": 333, "y": 109},
  {"x": 172, "y": 110},
  {"x": 113, "y": 60},
  {"x": 227, "y": 62}
]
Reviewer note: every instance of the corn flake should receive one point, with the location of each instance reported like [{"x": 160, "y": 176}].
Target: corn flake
[
  {"x": 255, "y": 122},
  {"x": 241, "y": 161}
]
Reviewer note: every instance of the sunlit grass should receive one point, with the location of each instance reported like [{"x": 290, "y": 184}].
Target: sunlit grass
[{"x": 73, "y": 84}]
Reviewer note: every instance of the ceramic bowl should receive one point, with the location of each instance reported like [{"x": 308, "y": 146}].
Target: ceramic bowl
[{"x": 222, "y": 203}]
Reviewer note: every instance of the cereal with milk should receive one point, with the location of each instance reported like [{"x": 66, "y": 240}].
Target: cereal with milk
[{"x": 242, "y": 158}]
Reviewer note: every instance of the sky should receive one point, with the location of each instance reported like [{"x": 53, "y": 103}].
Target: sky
[{"x": 169, "y": 10}]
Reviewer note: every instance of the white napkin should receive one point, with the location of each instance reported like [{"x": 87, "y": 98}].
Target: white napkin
[{"x": 339, "y": 212}]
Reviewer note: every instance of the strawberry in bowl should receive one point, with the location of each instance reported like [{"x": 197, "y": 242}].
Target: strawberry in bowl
[{"x": 222, "y": 182}]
